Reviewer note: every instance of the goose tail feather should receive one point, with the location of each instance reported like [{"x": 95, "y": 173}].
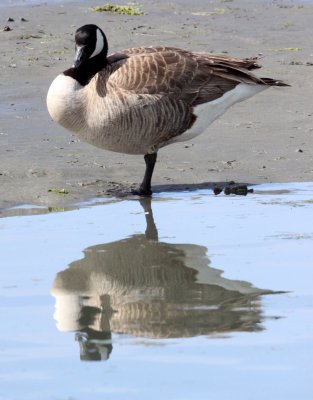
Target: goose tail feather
[{"x": 274, "y": 82}]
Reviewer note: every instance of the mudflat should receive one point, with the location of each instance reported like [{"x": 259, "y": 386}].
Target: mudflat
[{"x": 268, "y": 138}]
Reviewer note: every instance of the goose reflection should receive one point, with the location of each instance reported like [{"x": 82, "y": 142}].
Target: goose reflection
[{"x": 148, "y": 288}]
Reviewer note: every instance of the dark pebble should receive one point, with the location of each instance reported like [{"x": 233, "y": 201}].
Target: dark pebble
[
  {"x": 217, "y": 190},
  {"x": 239, "y": 190}
]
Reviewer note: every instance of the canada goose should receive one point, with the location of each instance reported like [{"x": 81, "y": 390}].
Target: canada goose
[{"x": 141, "y": 99}]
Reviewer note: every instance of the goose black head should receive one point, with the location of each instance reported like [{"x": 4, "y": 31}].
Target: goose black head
[
  {"x": 91, "y": 53},
  {"x": 90, "y": 42}
]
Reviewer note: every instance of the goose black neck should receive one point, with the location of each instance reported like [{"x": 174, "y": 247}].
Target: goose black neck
[{"x": 88, "y": 69}]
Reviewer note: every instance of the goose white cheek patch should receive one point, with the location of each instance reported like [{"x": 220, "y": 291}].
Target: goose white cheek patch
[{"x": 99, "y": 44}]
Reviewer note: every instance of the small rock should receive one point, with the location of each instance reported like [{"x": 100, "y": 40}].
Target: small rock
[
  {"x": 239, "y": 190},
  {"x": 217, "y": 190},
  {"x": 296, "y": 63},
  {"x": 227, "y": 190},
  {"x": 7, "y": 29},
  {"x": 24, "y": 20},
  {"x": 10, "y": 19},
  {"x": 300, "y": 151},
  {"x": 232, "y": 188}
]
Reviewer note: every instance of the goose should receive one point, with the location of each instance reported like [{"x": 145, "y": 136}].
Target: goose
[{"x": 139, "y": 100}]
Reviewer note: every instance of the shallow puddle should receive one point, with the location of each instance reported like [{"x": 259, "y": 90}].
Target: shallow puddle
[{"x": 189, "y": 295}]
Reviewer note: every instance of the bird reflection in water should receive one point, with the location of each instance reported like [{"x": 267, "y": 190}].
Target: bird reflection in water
[{"x": 148, "y": 288}]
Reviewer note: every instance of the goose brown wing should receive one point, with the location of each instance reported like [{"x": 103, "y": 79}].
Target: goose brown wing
[
  {"x": 155, "y": 70},
  {"x": 192, "y": 77}
]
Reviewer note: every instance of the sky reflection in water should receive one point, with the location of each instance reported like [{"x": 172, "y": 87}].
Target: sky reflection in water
[{"x": 209, "y": 296}]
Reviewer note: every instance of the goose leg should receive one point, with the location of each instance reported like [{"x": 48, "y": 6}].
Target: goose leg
[{"x": 145, "y": 187}]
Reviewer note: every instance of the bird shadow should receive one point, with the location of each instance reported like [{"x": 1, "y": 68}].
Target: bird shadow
[
  {"x": 227, "y": 188},
  {"x": 237, "y": 188}
]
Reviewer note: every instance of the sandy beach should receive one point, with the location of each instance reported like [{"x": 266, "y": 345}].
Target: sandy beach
[{"x": 268, "y": 138}]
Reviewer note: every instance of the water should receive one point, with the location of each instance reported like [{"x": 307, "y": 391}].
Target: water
[
  {"x": 13, "y": 3},
  {"x": 189, "y": 295},
  {"x": 31, "y": 3}
]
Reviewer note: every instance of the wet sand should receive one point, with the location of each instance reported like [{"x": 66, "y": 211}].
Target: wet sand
[{"x": 268, "y": 138}]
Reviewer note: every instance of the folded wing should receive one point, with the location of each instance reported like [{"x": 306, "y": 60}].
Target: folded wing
[{"x": 194, "y": 78}]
